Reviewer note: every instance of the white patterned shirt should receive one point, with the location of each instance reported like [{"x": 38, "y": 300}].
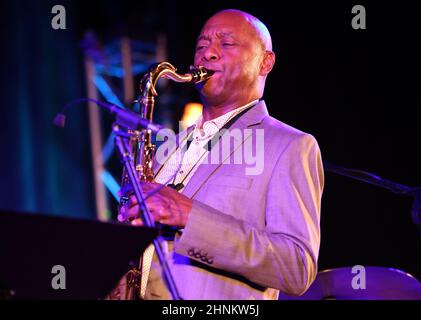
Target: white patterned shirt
[{"x": 173, "y": 171}]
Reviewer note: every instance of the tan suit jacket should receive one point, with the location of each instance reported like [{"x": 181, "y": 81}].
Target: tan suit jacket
[{"x": 249, "y": 236}]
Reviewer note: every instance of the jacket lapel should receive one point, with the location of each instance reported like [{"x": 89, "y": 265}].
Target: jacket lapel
[{"x": 204, "y": 171}]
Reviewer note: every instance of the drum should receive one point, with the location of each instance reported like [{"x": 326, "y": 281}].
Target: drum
[{"x": 361, "y": 283}]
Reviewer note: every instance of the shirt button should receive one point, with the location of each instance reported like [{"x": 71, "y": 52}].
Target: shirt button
[{"x": 181, "y": 172}]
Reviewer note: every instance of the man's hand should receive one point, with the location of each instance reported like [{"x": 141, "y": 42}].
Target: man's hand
[{"x": 167, "y": 206}]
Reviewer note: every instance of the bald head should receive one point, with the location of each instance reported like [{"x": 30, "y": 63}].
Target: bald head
[{"x": 256, "y": 27}]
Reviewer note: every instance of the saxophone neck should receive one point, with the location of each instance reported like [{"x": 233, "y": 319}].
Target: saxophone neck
[
  {"x": 195, "y": 75},
  {"x": 168, "y": 71}
]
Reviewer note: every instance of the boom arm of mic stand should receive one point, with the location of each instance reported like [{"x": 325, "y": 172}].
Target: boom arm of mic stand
[
  {"x": 127, "y": 159},
  {"x": 369, "y": 178},
  {"x": 383, "y": 183}
]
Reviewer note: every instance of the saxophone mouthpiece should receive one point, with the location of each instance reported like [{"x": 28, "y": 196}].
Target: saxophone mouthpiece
[{"x": 200, "y": 74}]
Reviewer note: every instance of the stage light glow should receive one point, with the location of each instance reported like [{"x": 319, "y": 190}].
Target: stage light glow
[{"x": 192, "y": 111}]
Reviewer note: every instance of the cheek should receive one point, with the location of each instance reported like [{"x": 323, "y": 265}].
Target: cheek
[
  {"x": 249, "y": 69},
  {"x": 239, "y": 73}
]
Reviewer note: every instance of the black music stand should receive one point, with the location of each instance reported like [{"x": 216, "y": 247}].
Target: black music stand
[{"x": 95, "y": 255}]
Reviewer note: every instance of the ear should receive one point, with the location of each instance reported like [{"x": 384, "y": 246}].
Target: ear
[{"x": 267, "y": 63}]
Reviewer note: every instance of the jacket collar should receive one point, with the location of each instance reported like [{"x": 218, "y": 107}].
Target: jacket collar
[{"x": 252, "y": 117}]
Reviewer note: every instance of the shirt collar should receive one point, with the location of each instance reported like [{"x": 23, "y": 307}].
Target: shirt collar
[{"x": 211, "y": 127}]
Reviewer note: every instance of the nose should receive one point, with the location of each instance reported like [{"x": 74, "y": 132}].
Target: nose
[{"x": 211, "y": 53}]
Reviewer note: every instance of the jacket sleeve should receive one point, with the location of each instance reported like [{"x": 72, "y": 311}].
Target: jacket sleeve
[{"x": 283, "y": 255}]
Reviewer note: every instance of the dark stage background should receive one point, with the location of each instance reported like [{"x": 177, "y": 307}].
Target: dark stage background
[{"x": 356, "y": 91}]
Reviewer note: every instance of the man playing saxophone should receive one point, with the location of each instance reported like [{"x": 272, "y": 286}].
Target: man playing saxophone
[{"x": 242, "y": 235}]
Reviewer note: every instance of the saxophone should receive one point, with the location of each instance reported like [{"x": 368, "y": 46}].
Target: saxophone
[{"x": 143, "y": 150}]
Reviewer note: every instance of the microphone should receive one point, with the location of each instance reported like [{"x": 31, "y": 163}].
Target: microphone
[{"x": 124, "y": 117}]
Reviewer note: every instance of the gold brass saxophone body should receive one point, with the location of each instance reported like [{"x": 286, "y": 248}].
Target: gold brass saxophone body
[{"x": 143, "y": 149}]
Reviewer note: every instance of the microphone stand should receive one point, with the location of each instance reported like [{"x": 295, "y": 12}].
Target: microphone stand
[
  {"x": 121, "y": 141},
  {"x": 385, "y": 184},
  {"x": 130, "y": 119}
]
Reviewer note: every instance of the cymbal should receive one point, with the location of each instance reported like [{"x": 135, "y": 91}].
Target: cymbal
[{"x": 380, "y": 284}]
